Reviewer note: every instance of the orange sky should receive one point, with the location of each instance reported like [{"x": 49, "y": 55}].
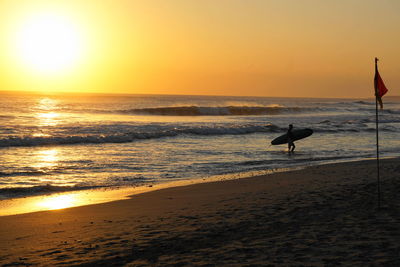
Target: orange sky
[{"x": 307, "y": 48}]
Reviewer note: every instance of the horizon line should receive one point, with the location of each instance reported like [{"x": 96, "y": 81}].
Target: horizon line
[{"x": 17, "y": 92}]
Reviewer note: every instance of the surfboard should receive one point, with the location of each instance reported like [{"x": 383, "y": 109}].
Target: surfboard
[{"x": 297, "y": 135}]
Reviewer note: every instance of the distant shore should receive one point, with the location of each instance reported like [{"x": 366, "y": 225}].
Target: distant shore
[{"x": 320, "y": 215}]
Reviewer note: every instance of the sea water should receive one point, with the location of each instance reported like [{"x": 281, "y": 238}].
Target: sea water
[{"x": 61, "y": 143}]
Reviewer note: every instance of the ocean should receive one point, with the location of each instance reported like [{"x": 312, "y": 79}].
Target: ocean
[{"x": 60, "y": 143}]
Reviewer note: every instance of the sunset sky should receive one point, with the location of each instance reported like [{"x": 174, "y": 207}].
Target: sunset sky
[{"x": 302, "y": 48}]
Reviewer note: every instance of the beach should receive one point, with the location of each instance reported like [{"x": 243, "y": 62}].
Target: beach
[{"x": 325, "y": 215}]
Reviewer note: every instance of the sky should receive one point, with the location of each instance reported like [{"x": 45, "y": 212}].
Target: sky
[{"x": 287, "y": 48}]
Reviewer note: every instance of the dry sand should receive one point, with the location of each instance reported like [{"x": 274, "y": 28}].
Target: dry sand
[{"x": 319, "y": 216}]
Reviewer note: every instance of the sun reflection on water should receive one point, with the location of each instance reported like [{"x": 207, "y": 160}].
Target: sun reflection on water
[
  {"x": 58, "y": 202},
  {"x": 48, "y": 119},
  {"x": 47, "y": 104},
  {"x": 47, "y": 158},
  {"x": 46, "y": 114}
]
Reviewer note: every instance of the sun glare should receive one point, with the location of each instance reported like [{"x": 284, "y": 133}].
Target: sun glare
[
  {"x": 48, "y": 43},
  {"x": 58, "y": 202}
]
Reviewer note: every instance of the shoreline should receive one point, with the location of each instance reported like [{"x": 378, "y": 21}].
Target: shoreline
[
  {"x": 77, "y": 198},
  {"x": 320, "y": 215}
]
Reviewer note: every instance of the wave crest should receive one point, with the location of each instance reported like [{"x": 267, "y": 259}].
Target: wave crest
[
  {"x": 132, "y": 136},
  {"x": 214, "y": 111},
  {"x": 40, "y": 190}
]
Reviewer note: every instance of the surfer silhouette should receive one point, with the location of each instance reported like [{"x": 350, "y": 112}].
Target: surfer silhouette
[{"x": 289, "y": 134}]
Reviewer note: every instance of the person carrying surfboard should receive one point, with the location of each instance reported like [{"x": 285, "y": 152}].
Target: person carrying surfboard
[
  {"x": 290, "y": 139},
  {"x": 290, "y": 136}
]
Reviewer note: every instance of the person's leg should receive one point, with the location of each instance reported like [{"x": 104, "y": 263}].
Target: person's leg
[{"x": 293, "y": 146}]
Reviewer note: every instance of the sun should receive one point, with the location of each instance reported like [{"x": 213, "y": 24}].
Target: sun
[{"x": 48, "y": 43}]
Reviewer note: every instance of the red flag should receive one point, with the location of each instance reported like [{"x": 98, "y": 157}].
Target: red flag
[{"x": 380, "y": 88}]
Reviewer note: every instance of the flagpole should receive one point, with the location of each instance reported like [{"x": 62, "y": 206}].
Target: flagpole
[{"x": 377, "y": 138}]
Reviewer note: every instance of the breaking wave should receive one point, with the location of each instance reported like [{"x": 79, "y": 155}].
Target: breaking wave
[
  {"x": 127, "y": 136},
  {"x": 133, "y": 136},
  {"x": 39, "y": 190},
  {"x": 215, "y": 111}
]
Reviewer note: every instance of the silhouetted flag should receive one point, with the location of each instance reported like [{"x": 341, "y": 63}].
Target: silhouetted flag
[{"x": 380, "y": 88}]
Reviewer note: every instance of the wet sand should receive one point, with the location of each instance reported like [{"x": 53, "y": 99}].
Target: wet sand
[{"x": 320, "y": 216}]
